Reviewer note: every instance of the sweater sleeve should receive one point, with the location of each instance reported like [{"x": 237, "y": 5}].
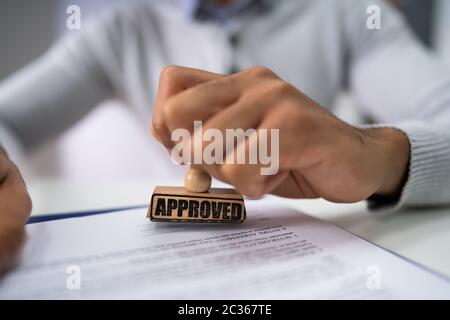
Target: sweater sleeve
[
  {"x": 49, "y": 95},
  {"x": 401, "y": 84}
]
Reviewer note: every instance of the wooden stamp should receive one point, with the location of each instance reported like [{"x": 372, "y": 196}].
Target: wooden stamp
[{"x": 196, "y": 202}]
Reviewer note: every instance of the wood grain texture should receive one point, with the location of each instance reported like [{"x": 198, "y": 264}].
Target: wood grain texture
[
  {"x": 176, "y": 204},
  {"x": 197, "y": 180}
]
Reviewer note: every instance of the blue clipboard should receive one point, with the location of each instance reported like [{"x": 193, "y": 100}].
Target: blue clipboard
[{"x": 77, "y": 214}]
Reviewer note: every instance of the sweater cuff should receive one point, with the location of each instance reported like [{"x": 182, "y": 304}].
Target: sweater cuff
[{"x": 428, "y": 181}]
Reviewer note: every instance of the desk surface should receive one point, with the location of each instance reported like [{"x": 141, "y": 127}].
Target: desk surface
[{"x": 420, "y": 235}]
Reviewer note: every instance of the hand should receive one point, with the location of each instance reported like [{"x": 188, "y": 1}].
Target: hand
[
  {"x": 15, "y": 207},
  {"x": 320, "y": 155}
]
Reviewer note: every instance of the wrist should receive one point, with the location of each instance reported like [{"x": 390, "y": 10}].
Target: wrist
[{"x": 394, "y": 150}]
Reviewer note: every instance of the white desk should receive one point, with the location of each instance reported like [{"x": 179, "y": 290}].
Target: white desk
[{"x": 420, "y": 235}]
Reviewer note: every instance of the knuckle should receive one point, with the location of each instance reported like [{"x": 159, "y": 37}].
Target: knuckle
[
  {"x": 158, "y": 128},
  {"x": 218, "y": 83},
  {"x": 253, "y": 190},
  {"x": 260, "y": 71},
  {"x": 230, "y": 172},
  {"x": 249, "y": 187},
  {"x": 170, "y": 70},
  {"x": 171, "y": 110},
  {"x": 279, "y": 87},
  {"x": 291, "y": 111},
  {"x": 291, "y": 117},
  {"x": 268, "y": 90}
]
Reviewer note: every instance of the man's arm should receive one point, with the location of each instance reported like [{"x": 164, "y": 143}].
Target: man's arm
[
  {"x": 403, "y": 85},
  {"x": 314, "y": 154},
  {"x": 38, "y": 103},
  {"x": 55, "y": 91}
]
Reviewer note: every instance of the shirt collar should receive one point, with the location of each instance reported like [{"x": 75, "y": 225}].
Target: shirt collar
[{"x": 205, "y": 9}]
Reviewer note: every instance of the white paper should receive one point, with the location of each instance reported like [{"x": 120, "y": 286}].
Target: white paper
[{"x": 277, "y": 253}]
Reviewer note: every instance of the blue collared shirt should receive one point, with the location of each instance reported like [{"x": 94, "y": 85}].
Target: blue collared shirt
[{"x": 207, "y": 9}]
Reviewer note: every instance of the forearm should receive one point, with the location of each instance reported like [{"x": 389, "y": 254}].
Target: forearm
[
  {"x": 394, "y": 148},
  {"x": 48, "y": 96},
  {"x": 425, "y": 181},
  {"x": 402, "y": 85}
]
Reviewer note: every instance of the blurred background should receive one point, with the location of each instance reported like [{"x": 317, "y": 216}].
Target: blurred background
[
  {"x": 105, "y": 161},
  {"x": 95, "y": 147}
]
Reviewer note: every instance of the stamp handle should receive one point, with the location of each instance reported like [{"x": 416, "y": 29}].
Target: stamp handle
[{"x": 197, "y": 180}]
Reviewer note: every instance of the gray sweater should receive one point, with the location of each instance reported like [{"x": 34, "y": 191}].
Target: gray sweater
[{"x": 320, "y": 46}]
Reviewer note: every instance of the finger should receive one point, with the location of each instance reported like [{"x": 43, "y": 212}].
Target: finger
[
  {"x": 233, "y": 125},
  {"x": 295, "y": 186},
  {"x": 205, "y": 100},
  {"x": 12, "y": 237},
  {"x": 278, "y": 144},
  {"x": 173, "y": 80},
  {"x": 15, "y": 207},
  {"x": 253, "y": 178},
  {"x": 15, "y": 202},
  {"x": 239, "y": 121},
  {"x": 295, "y": 143}
]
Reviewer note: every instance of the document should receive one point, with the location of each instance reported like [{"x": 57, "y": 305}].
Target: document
[{"x": 277, "y": 253}]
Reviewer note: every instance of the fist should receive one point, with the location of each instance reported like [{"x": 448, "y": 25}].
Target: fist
[
  {"x": 319, "y": 154},
  {"x": 15, "y": 207}
]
